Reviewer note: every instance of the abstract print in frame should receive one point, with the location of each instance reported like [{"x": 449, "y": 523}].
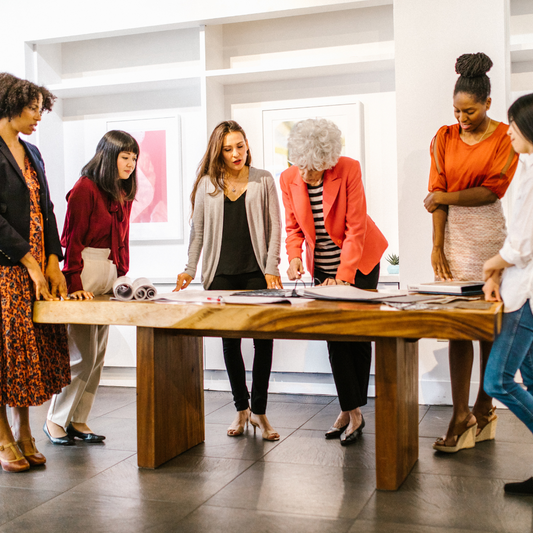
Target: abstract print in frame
[{"x": 157, "y": 210}]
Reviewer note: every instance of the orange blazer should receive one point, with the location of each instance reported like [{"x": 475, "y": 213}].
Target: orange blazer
[{"x": 345, "y": 219}]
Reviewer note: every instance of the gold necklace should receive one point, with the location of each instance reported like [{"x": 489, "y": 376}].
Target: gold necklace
[{"x": 490, "y": 122}]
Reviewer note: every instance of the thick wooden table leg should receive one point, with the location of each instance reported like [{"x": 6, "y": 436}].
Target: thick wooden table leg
[
  {"x": 170, "y": 395},
  {"x": 396, "y": 411}
]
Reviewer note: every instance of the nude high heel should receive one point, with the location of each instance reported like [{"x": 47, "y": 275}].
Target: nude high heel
[
  {"x": 265, "y": 427},
  {"x": 237, "y": 427}
]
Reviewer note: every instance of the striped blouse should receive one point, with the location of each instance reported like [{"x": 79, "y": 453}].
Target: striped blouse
[{"x": 327, "y": 253}]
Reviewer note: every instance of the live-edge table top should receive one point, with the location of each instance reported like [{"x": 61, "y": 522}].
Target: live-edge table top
[{"x": 316, "y": 319}]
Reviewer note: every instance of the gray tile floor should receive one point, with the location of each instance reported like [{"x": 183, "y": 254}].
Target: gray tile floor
[{"x": 302, "y": 483}]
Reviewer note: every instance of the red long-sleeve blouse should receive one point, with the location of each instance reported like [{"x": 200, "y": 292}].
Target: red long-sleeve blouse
[{"x": 93, "y": 220}]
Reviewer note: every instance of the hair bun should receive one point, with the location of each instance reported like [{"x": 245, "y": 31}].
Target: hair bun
[{"x": 473, "y": 65}]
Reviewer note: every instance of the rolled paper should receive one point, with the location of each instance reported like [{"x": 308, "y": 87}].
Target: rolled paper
[
  {"x": 143, "y": 289},
  {"x": 123, "y": 288}
]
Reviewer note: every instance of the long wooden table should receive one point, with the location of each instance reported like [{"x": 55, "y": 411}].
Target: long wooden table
[{"x": 170, "y": 410}]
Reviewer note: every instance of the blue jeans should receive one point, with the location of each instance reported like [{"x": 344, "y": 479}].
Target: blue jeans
[{"x": 513, "y": 350}]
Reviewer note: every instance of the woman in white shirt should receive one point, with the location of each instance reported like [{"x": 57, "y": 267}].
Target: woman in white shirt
[{"x": 509, "y": 277}]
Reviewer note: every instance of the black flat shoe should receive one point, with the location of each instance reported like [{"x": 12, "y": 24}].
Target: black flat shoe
[
  {"x": 335, "y": 433},
  {"x": 59, "y": 441},
  {"x": 90, "y": 438},
  {"x": 352, "y": 437}
]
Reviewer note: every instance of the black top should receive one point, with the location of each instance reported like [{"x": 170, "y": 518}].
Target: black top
[{"x": 237, "y": 253}]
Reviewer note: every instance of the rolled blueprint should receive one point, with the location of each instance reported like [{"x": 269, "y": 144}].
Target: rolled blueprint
[
  {"x": 123, "y": 288},
  {"x": 143, "y": 289}
]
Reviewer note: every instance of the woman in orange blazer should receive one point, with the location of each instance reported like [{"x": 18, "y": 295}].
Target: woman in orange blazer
[{"x": 325, "y": 206}]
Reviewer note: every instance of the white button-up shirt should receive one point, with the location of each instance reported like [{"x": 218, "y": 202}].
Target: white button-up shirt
[{"x": 517, "y": 281}]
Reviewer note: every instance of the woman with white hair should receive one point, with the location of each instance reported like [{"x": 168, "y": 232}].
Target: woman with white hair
[{"x": 325, "y": 206}]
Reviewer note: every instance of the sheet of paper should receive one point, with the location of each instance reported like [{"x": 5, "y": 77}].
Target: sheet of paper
[
  {"x": 195, "y": 296},
  {"x": 347, "y": 292}
]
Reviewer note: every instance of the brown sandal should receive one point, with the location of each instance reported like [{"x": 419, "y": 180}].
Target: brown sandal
[
  {"x": 465, "y": 435},
  {"x": 33, "y": 456},
  {"x": 18, "y": 464},
  {"x": 487, "y": 425}
]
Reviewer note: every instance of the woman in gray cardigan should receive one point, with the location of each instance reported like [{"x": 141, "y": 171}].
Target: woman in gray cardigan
[{"x": 236, "y": 221}]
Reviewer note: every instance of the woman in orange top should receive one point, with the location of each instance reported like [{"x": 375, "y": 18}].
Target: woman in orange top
[{"x": 472, "y": 164}]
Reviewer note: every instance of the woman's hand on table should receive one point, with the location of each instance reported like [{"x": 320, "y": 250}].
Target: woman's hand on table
[
  {"x": 183, "y": 281},
  {"x": 81, "y": 295},
  {"x": 56, "y": 279},
  {"x": 440, "y": 264},
  {"x": 40, "y": 283},
  {"x": 491, "y": 289},
  {"x": 296, "y": 269},
  {"x": 273, "y": 282}
]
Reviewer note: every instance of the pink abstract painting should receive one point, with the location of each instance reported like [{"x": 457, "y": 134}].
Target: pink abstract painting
[{"x": 151, "y": 204}]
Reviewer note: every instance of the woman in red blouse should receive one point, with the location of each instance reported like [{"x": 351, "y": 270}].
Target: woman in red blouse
[
  {"x": 96, "y": 241},
  {"x": 472, "y": 164}
]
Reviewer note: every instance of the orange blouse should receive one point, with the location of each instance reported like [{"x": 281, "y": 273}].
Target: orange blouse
[{"x": 456, "y": 166}]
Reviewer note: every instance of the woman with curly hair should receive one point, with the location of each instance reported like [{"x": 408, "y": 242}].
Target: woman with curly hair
[
  {"x": 34, "y": 358},
  {"x": 472, "y": 164},
  {"x": 236, "y": 221},
  {"x": 325, "y": 206}
]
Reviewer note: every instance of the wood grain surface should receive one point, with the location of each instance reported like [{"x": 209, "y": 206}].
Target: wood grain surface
[{"x": 324, "y": 320}]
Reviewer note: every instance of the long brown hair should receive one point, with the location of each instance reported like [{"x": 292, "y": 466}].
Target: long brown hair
[{"x": 212, "y": 164}]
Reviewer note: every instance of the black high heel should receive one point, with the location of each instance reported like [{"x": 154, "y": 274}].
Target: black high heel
[
  {"x": 335, "y": 433},
  {"x": 352, "y": 437}
]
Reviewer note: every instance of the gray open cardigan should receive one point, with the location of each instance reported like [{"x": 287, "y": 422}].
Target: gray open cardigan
[{"x": 264, "y": 223}]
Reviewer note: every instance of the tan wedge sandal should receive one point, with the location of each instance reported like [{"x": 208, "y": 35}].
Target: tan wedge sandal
[{"x": 465, "y": 435}]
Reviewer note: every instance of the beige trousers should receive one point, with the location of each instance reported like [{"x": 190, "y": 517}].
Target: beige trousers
[{"x": 87, "y": 345}]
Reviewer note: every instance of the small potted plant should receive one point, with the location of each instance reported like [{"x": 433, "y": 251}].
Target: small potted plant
[{"x": 394, "y": 264}]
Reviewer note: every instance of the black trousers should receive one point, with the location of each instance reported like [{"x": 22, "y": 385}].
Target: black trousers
[
  {"x": 233, "y": 355},
  {"x": 350, "y": 361}
]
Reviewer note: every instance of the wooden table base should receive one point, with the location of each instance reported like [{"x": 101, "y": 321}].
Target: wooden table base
[
  {"x": 170, "y": 406},
  {"x": 396, "y": 411},
  {"x": 170, "y": 395}
]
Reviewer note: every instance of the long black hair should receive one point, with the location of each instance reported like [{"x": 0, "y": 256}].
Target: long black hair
[
  {"x": 102, "y": 168},
  {"x": 16, "y": 94},
  {"x": 473, "y": 79},
  {"x": 521, "y": 113}
]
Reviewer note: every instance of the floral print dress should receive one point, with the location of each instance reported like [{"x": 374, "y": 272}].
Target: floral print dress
[{"x": 34, "y": 358}]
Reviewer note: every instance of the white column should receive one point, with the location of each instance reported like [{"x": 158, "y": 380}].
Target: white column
[{"x": 429, "y": 35}]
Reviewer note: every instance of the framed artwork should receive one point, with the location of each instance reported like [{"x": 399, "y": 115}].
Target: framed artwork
[
  {"x": 277, "y": 125},
  {"x": 157, "y": 209}
]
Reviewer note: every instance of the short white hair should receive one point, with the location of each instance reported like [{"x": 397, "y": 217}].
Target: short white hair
[{"x": 315, "y": 144}]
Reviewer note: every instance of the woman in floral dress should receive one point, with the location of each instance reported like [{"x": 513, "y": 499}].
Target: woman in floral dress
[{"x": 34, "y": 359}]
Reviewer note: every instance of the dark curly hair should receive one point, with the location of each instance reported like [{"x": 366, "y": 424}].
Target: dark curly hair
[
  {"x": 473, "y": 80},
  {"x": 102, "y": 168},
  {"x": 16, "y": 94}
]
